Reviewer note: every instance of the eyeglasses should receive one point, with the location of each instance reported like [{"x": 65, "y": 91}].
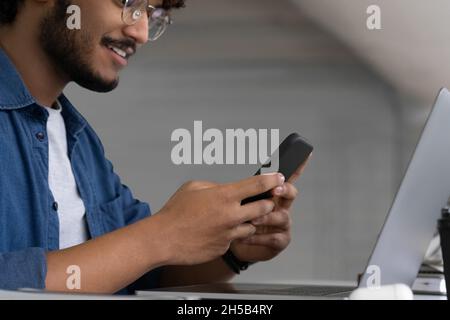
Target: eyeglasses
[{"x": 158, "y": 18}]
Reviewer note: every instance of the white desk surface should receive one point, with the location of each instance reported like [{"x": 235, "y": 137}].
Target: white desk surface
[{"x": 41, "y": 295}]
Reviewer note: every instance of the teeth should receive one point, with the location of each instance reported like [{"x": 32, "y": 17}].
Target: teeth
[{"x": 120, "y": 52}]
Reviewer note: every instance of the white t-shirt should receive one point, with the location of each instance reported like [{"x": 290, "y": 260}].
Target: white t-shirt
[{"x": 70, "y": 206}]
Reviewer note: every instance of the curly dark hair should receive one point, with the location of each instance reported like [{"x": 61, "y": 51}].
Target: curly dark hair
[
  {"x": 172, "y": 4},
  {"x": 10, "y": 8}
]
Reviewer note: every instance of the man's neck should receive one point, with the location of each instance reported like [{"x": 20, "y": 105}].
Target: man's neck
[{"x": 39, "y": 75}]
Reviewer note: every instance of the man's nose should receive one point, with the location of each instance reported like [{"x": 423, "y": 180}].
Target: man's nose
[{"x": 138, "y": 31}]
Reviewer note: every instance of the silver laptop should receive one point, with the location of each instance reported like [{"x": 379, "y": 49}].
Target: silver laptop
[{"x": 403, "y": 240}]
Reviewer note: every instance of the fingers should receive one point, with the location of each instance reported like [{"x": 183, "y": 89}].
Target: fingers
[
  {"x": 255, "y": 210},
  {"x": 277, "y": 220},
  {"x": 286, "y": 194},
  {"x": 255, "y": 185},
  {"x": 275, "y": 241},
  {"x": 262, "y": 212},
  {"x": 243, "y": 231},
  {"x": 286, "y": 191}
]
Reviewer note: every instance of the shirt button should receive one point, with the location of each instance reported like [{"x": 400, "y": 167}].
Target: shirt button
[
  {"x": 40, "y": 136},
  {"x": 55, "y": 206}
]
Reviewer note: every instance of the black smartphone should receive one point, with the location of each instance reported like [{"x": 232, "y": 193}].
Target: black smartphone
[{"x": 292, "y": 153}]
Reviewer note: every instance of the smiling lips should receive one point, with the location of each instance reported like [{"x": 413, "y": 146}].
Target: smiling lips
[{"x": 121, "y": 55}]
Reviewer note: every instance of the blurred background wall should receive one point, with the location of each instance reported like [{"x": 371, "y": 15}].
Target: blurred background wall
[{"x": 310, "y": 66}]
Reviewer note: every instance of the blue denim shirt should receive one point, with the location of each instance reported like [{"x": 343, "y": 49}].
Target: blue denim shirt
[{"x": 29, "y": 224}]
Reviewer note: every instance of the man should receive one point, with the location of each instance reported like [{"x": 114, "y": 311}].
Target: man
[{"x": 62, "y": 205}]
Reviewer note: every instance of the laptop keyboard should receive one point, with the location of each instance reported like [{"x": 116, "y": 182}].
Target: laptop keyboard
[{"x": 302, "y": 291}]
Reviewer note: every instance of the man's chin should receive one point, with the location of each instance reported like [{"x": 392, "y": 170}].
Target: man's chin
[{"x": 98, "y": 84}]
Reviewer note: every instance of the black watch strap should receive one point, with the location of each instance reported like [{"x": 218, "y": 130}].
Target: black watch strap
[{"x": 234, "y": 263}]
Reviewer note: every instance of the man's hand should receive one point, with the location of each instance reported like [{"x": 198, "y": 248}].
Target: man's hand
[
  {"x": 202, "y": 219},
  {"x": 270, "y": 236},
  {"x": 273, "y": 231}
]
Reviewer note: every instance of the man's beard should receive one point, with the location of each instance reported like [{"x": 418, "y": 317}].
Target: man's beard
[{"x": 68, "y": 50}]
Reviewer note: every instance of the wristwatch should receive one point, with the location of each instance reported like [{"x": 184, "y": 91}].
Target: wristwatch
[{"x": 234, "y": 263}]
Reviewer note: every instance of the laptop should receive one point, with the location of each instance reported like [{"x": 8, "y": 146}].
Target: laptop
[{"x": 403, "y": 240}]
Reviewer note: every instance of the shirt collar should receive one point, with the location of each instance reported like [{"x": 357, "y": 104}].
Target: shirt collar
[
  {"x": 15, "y": 95},
  {"x": 75, "y": 122},
  {"x": 13, "y": 92}
]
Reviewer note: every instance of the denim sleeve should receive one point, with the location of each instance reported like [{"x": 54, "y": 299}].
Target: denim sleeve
[
  {"x": 23, "y": 269},
  {"x": 133, "y": 211},
  {"x": 132, "y": 208}
]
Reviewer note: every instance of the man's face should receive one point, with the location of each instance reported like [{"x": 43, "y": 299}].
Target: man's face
[{"x": 87, "y": 56}]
